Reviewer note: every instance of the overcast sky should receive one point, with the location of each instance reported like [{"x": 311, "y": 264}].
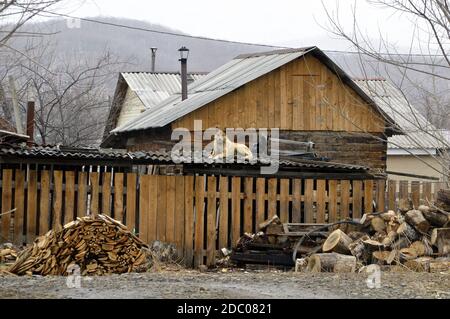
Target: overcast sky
[{"x": 279, "y": 22}]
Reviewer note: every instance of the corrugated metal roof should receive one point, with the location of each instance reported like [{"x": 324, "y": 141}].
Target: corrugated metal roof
[
  {"x": 163, "y": 158},
  {"x": 153, "y": 88},
  {"x": 419, "y": 132},
  {"x": 225, "y": 79}
]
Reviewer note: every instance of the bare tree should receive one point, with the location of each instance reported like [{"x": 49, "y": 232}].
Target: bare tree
[
  {"x": 71, "y": 93},
  {"x": 15, "y": 14},
  {"x": 421, "y": 74}
]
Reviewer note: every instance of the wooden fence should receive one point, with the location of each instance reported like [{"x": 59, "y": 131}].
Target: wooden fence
[{"x": 200, "y": 214}]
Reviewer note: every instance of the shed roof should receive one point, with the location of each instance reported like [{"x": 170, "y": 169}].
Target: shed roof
[
  {"x": 234, "y": 74},
  {"x": 87, "y": 156},
  {"x": 153, "y": 88},
  {"x": 419, "y": 132}
]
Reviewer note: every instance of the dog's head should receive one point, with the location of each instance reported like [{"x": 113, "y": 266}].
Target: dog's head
[{"x": 219, "y": 137}]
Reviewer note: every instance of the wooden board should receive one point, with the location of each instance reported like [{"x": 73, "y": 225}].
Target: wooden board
[
  {"x": 248, "y": 204},
  {"x": 332, "y": 201},
  {"x": 260, "y": 201},
  {"x": 118, "y": 196},
  {"x": 144, "y": 207},
  {"x": 321, "y": 195},
  {"x": 82, "y": 194},
  {"x": 95, "y": 181},
  {"x": 272, "y": 197},
  {"x": 57, "y": 199},
  {"x": 236, "y": 210},
  {"x": 426, "y": 193},
  {"x": 223, "y": 212},
  {"x": 199, "y": 220},
  {"x": 152, "y": 207},
  {"x": 162, "y": 206},
  {"x": 309, "y": 199},
  {"x": 368, "y": 196},
  {"x": 106, "y": 194},
  {"x": 392, "y": 189},
  {"x": 357, "y": 199},
  {"x": 284, "y": 200},
  {"x": 345, "y": 200},
  {"x": 5, "y": 219},
  {"x": 170, "y": 210},
  {"x": 179, "y": 214},
  {"x": 415, "y": 193},
  {"x": 296, "y": 200},
  {"x": 189, "y": 220},
  {"x": 32, "y": 206},
  {"x": 381, "y": 193},
  {"x": 69, "y": 202},
  {"x": 44, "y": 203},
  {"x": 211, "y": 222},
  {"x": 131, "y": 201},
  {"x": 19, "y": 204}
]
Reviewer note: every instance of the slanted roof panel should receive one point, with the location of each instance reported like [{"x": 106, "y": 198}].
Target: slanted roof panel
[{"x": 218, "y": 83}]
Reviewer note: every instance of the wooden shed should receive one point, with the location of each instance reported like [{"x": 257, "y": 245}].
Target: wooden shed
[{"x": 301, "y": 92}]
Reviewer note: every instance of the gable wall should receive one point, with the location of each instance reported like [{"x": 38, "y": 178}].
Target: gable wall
[
  {"x": 131, "y": 108},
  {"x": 303, "y": 95}
]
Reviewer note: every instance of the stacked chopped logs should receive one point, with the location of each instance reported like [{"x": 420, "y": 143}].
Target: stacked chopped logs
[
  {"x": 415, "y": 239},
  {"x": 98, "y": 246}
]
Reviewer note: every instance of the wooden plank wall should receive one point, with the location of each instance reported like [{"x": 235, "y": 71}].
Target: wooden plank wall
[
  {"x": 303, "y": 95},
  {"x": 199, "y": 214}
]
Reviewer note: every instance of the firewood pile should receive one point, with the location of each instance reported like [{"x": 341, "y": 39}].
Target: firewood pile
[
  {"x": 412, "y": 239},
  {"x": 98, "y": 246}
]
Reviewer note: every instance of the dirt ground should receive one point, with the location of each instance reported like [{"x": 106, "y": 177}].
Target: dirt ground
[{"x": 232, "y": 284}]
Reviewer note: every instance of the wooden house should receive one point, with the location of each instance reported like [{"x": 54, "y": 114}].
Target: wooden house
[{"x": 301, "y": 92}]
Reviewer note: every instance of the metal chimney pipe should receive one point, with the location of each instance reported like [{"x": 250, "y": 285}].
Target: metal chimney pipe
[
  {"x": 184, "y": 81},
  {"x": 154, "y": 58},
  {"x": 184, "y": 54},
  {"x": 30, "y": 122}
]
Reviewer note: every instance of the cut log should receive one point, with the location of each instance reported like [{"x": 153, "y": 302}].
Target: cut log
[
  {"x": 378, "y": 224},
  {"x": 443, "y": 199},
  {"x": 401, "y": 243},
  {"x": 301, "y": 265},
  {"x": 274, "y": 220},
  {"x": 407, "y": 231},
  {"x": 337, "y": 242},
  {"x": 390, "y": 215},
  {"x": 405, "y": 205},
  {"x": 380, "y": 257},
  {"x": 436, "y": 218},
  {"x": 422, "y": 248},
  {"x": 393, "y": 225},
  {"x": 406, "y": 254},
  {"x": 421, "y": 264},
  {"x": 358, "y": 250},
  {"x": 440, "y": 265},
  {"x": 390, "y": 239},
  {"x": 274, "y": 229},
  {"x": 440, "y": 238},
  {"x": 415, "y": 218},
  {"x": 355, "y": 235},
  {"x": 332, "y": 262}
]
